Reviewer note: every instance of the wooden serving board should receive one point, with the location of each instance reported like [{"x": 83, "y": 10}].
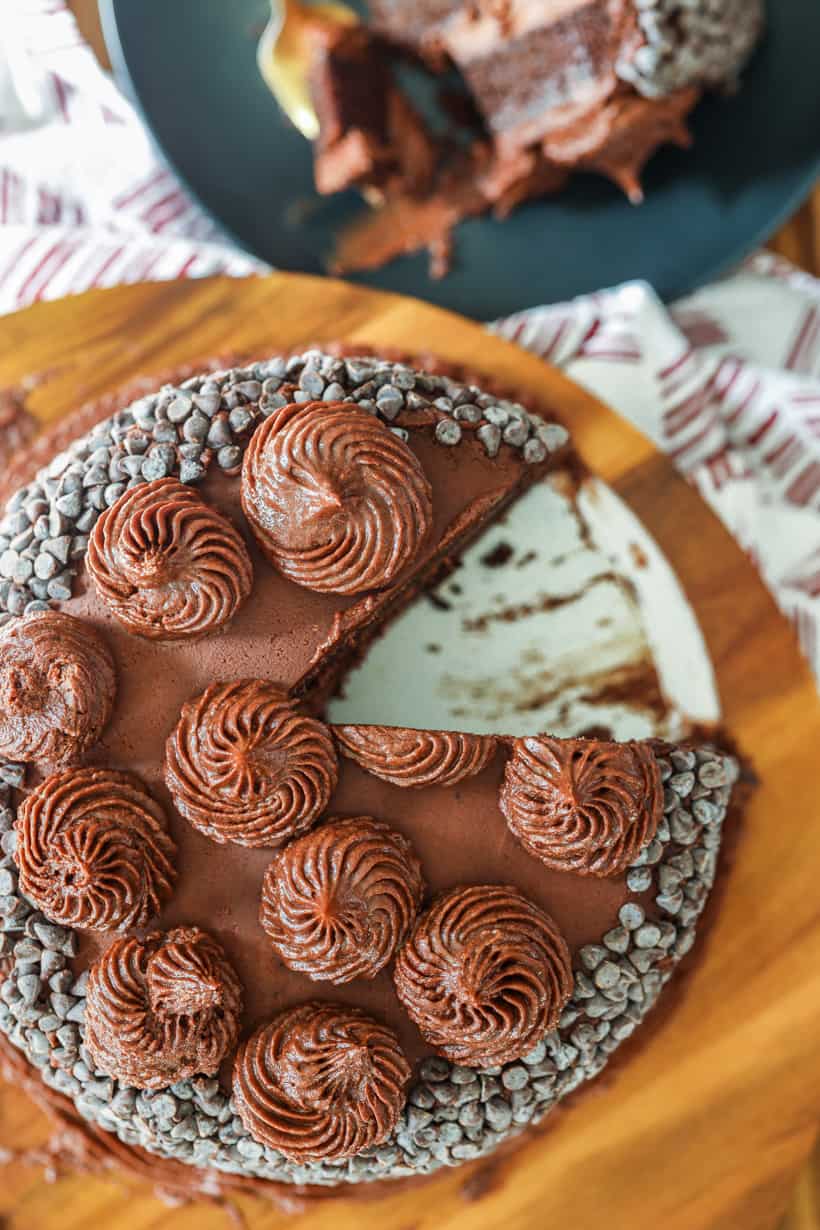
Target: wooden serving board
[{"x": 707, "y": 1124}]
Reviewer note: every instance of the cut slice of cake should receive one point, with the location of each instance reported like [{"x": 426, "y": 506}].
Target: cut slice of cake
[{"x": 560, "y": 86}]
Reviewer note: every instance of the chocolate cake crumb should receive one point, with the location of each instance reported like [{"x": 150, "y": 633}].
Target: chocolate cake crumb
[{"x": 500, "y": 555}]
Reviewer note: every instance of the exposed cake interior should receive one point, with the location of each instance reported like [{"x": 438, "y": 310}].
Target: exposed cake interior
[{"x": 463, "y": 926}]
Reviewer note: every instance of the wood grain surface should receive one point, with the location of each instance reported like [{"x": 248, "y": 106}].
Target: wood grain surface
[
  {"x": 799, "y": 240},
  {"x": 706, "y": 1126},
  {"x": 804, "y": 1206}
]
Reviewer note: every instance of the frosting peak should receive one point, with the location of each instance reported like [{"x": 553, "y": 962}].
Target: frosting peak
[
  {"x": 484, "y": 975},
  {"x": 338, "y": 902},
  {"x": 337, "y": 502},
  {"x": 320, "y": 1082},
  {"x": 582, "y": 805},
  {"x": 93, "y": 850},
  {"x": 244, "y": 765},
  {"x": 57, "y": 687},
  {"x": 166, "y": 565},
  {"x": 162, "y": 1009},
  {"x": 407, "y": 757}
]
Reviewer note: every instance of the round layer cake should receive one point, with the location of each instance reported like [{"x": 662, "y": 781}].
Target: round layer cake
[{"x": 247, "y": 946}]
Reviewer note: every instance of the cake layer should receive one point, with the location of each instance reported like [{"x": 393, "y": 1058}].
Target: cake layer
[
  {"x": 369, "y": 132},
  {"x": 541, "y": 72}
]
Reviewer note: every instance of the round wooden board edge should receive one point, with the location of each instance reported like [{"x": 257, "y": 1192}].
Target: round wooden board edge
[{"x": 89, "y": 345}]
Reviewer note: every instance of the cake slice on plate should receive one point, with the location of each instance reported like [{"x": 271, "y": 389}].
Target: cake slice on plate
[{"x": 558, "y": 86}]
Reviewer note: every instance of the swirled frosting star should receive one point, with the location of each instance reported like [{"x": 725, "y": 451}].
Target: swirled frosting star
[
  {"x": 582, "y": 805},
  {"x": 244, "y": 765},
  {"x": 339, "y": 901},
  {"x": 337, "y": 502},
  {"x": 411, "y": 758},
  {"x": 320, "y": 1082},
  {"x": 484, "y": 975},
  {"x": 166, "y": 565},
  {"x": 162, "y": 1009},
  {"x": 57, "y": 688},
  {"x": 93, "y": 850}
]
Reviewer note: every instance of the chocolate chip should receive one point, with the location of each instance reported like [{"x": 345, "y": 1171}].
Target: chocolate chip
[
  {"x": 448, "y": 432},
  {"x": 179, "y": 408},
  {"x": 490, "y": 437},
  {"x": 515, "y": 1077},
  {"x": 534, "y": 452}
]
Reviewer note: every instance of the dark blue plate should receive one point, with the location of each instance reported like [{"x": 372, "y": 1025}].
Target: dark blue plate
[{"x": 190, "y": 65}]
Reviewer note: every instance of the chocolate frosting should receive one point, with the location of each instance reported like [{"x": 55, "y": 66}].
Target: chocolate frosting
[
  {"x": 244, "y": 765},
  {"x": 337, "y": 502},
  {"x": 582, "y": 805},
  {"x": 162, "y": 1009},
  {"x": 484, "y": 975},
  {"x": 320, "y": 1082},
  {"x": 57, "y": 687},
  {"x": 93, "y": 850},
  {"x": 166, "y": 565},
  {"x": 338, "y": 902},
  {"x": 415, "y": 757}
]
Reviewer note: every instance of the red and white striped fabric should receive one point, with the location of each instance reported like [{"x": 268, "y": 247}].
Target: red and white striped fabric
[{"x": 727, "y": 381}]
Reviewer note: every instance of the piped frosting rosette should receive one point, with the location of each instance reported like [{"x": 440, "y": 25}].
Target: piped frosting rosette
[
  {"x": 162, "y": 1009},
  {"x": 417, "y": 758},
  {"x": 338, "y": 902},
  {"x": 57, "y": 688},
  {"x": 166, "y": 565},
  {"x": 484, "y": 975},
  {"x": 338, "y": 503},
  {"x": 582, "y": 805},
  {"x": 93, "y": 850},
  {"x": 244, "y": 765},
  {"x": 321, "y": 1082}
]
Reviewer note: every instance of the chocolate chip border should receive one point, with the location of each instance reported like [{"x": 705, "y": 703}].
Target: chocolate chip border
[
  {"x": 686, "y": 44},
  {"x": 453, "y": 1114},
  {"x": 207, "y": 420}
]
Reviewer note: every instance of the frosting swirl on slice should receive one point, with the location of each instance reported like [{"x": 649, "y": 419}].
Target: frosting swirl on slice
[
  {"x": 582, "y": 805},
  {"x": 93, "y": 850},
  {"x": 162, "y": 1009},
  {"x": 57, "y": 687},
  {"x": 244, "y": 765},
  {"x": 166, "y": 565},
  {"x": 484, "y": 975},
  {"x": 338, "y": 902},
  {"x": 337, "y": 502},
  {"x": 407, "y": 757},
  {"x": 321, "y": 1081}
]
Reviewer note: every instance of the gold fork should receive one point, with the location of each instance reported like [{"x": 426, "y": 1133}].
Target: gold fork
[{"x": 284, "y": 54}]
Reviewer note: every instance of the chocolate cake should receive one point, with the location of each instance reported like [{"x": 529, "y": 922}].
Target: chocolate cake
[
  {"x": 248, "y": 947},
  {"x": 560, "y": 86}
]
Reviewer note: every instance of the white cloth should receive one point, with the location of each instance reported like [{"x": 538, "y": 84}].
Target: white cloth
[{"x": 727, "y": 381}]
